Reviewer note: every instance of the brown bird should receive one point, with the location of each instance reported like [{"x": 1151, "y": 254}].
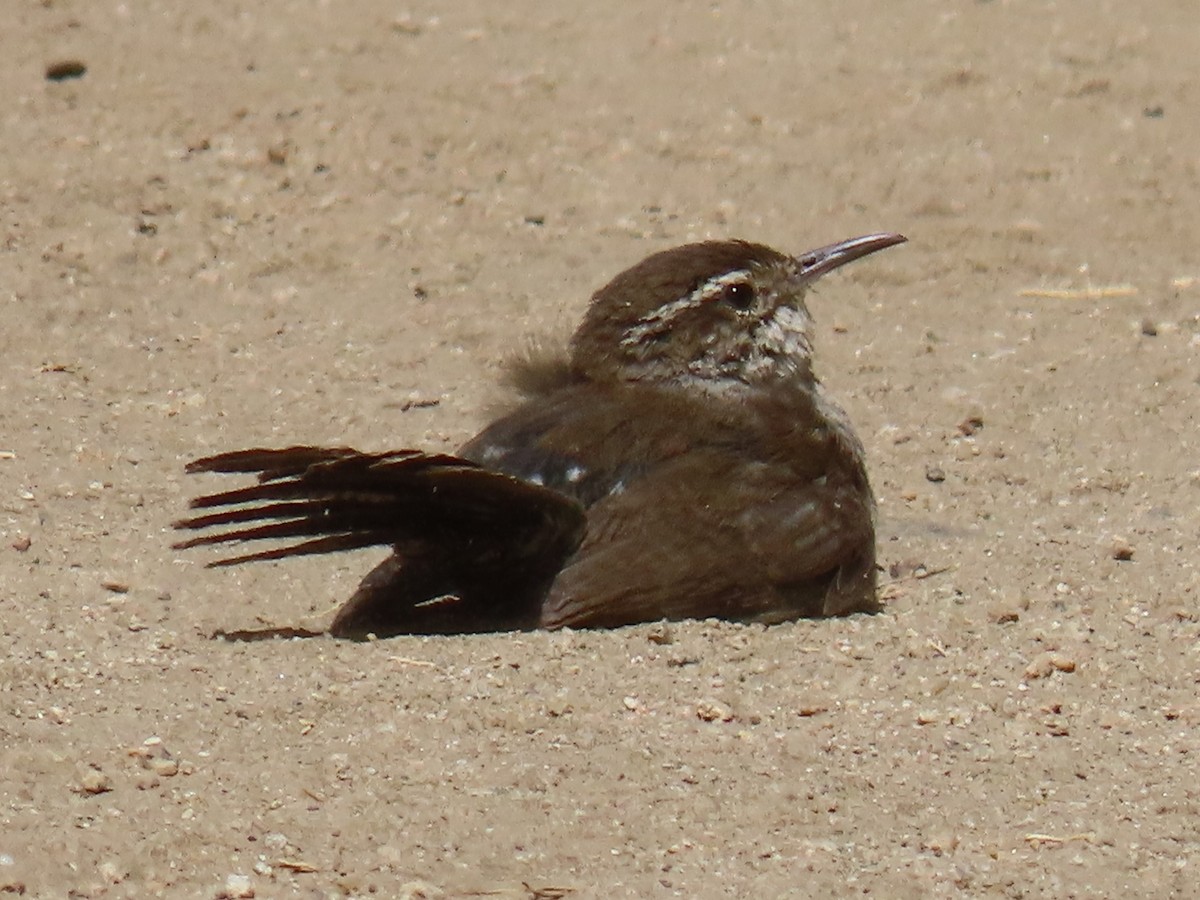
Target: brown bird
[{"x": 681, "y": 461}]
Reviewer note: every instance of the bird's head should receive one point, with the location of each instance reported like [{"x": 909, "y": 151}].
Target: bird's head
[{"x": 710, "y": 315}]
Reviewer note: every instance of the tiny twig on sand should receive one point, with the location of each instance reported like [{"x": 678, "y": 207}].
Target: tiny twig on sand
[
  {"x": 1088, "y": 293},
  {"x": 1037, "y": 839}
]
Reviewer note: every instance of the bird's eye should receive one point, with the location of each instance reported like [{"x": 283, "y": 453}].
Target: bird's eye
[{"x": 738, "y": 295}]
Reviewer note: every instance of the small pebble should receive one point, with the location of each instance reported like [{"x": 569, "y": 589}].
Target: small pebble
[
  {"x": 65, "y": 69},
  {"x": 164, "y": 767},
  {"x": 93, "y": 781},
  {"x": 935, "y": 474},
  {"x": 660, "y": 634},
  {"x": 714, "y": 711},
  {"x": 276, "y": 841},
  {"x": 156, "y": 758},
  {"x": 970, "y": 425},
  {"x": 1121, "y": 550},
  {"x": 237, "y": 886},
  {"x": 1045, "y": 664}
]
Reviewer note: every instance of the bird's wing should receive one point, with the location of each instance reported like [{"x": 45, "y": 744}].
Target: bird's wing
[
  {"x": 474, "y": 549},
  {"x": 574, "y": 443},
  {"x": 707, "y": 535},
  {"x": 328, "y": 499}
]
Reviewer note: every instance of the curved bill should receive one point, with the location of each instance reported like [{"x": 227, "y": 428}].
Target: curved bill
[{"x": 823, "y": 260}]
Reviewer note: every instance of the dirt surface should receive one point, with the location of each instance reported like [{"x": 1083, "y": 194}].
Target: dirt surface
[{"x": 329, "y": 223}]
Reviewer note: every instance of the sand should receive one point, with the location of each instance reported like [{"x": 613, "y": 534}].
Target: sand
[{"x": 330, "y": 223}]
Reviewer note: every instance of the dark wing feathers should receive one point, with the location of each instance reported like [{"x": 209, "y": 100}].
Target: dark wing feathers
[
  {"x": 342, "y": 499},
  {"x": 269, "y": 463}
]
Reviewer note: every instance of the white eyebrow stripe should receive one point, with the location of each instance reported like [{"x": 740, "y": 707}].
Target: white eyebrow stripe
[
  {"x": 661, "y": 318},
  {"x": 715, "y": 287}
]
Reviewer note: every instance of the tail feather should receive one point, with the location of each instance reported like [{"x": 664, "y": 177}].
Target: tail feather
[
  {"x": 275, "y": 463},
  {"x": 285, "y": 510},
  {"x": 493, "y": 540},
  {"x": 330, "y": 544}
]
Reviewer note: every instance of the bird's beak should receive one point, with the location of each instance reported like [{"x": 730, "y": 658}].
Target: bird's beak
[{"x": 823, "y": 260}]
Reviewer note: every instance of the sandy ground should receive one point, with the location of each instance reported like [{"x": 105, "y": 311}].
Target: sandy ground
[{"x": 331, "y": 222}]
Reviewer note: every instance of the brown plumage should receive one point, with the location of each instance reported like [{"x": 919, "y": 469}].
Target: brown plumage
[{"x": 682, "y": 462}]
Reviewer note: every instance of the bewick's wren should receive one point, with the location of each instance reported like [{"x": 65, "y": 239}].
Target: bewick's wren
[{"x": 683, "y": 461}]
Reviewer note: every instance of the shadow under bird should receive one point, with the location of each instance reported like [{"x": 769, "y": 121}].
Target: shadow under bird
[{"x": 680, "y": 460}]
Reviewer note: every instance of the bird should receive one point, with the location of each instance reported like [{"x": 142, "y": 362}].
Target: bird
[{"x": 678, "y": 459}]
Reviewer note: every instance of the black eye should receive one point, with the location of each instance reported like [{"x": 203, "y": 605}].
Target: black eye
[{"x": 738, "y": 295}]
